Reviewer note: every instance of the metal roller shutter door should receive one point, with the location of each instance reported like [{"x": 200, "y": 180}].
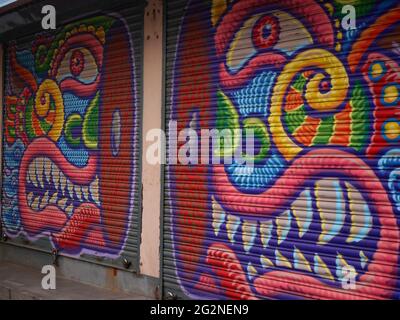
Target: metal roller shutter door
[
  {"x": 321, "y": 205},
  {"x": 72, "y": 111}
]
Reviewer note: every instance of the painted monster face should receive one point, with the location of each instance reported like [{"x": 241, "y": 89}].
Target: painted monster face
[
  {"x": 318, "y": 202},
  {"x": 70, "y": 114}
]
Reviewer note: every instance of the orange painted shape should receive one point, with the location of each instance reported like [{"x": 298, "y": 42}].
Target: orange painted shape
[
  {"x": 293, "y": 100},
  {"x": 342, "y": 127},
  {"x": 307, "y": 131}
]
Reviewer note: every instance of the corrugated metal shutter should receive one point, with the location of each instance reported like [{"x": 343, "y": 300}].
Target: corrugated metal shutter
[
  {"x": 72, "y": 111},
  {"x": 320, "y": 207}
]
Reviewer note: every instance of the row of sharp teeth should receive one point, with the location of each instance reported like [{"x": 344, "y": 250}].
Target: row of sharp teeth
[
  {"x": 302, "y": 211},
  {"x": 43, "y": 171},
  {"x": 317, "y": 266}
]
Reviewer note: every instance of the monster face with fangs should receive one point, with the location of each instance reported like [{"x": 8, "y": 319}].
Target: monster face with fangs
[
  {"x": 70, "y": 107},
  {"x": 318, "y": 202}
]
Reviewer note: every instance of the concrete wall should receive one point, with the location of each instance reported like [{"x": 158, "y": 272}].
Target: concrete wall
[{"x": 152, "y": 108}]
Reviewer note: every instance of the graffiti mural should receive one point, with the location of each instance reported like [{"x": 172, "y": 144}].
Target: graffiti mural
[
  {"x": 69, "y": 132},
  {"x": 324, "y": 194}
]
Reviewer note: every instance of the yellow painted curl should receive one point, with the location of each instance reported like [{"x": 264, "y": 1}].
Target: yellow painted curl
[
  {"x": 327, "y": 101},
  {"x": 49, "y": 89}
]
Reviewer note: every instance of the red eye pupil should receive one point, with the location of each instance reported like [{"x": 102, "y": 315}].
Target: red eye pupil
[
  {"x": 77, "y": 63},
  {"x": 266, "y": 32}
]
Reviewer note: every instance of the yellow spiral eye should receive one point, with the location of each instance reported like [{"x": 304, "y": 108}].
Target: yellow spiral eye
[
  {"x": 327, "y": 101},
  {"x": 47, "y": 91}
]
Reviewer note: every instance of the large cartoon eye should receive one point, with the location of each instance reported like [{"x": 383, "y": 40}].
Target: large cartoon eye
[
  {"x": 77, "y": 64},
  {"x": 80, "y": 64},
  {"x": 264, "y": 32}
]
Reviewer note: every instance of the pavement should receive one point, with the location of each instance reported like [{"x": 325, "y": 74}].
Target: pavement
[{"x": 24, "y": 283}]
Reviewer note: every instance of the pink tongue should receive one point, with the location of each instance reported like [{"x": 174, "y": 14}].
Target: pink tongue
[
  {"x": 51, "y": 218},
  {"x": 83, "y": 227}
]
